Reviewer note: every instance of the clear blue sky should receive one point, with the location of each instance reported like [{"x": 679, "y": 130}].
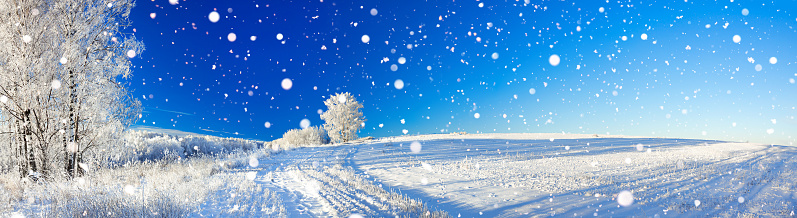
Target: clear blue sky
[{"x": 665, "y": 69}]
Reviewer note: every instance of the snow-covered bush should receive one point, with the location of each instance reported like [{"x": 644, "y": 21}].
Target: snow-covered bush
[
  {"x": 150, "y": 146},
  {"x": 209, "y": 145},
  {"x": 343, "y": 117},
  {"x": 309, "y": 136},
  {"x": 161, "y": 147},
  {"x": 278, "y": 145},
  {"x": 147, "y": 146}
]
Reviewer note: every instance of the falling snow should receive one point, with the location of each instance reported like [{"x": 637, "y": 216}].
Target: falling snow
[
  {"x": 415, "y": 147},
  {"x": 304, "y": 123},
  {"x": 231, "y": 37},
  {"x": 213, "y": 16},
  {"x": 287, "y": 84},
  {"x": 554, "y": 60},
  {"x": 671, "y": 73},
  {"x": 399, "y": 84},
  {"x": 625, "y": 198},
  {"x": 56, "y": 84}
]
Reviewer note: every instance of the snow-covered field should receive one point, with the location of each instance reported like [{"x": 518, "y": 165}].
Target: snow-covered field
[
  {"x": 518, "y": 175},
  {"x": 470, "y": 175},
  {"x": 522, "y": 175}
]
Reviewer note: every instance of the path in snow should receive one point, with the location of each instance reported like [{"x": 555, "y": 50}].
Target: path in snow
[
  {"x": 317, "y": 182},
  {"x": 299, "y": 195}
]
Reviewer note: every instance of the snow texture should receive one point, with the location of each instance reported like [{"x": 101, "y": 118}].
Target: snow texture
[{"x": 463, "y": 175}]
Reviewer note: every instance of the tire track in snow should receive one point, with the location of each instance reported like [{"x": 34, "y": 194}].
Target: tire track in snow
[
  {"x": 286, "y": 183},
  {"x": 315, "y": 183}
]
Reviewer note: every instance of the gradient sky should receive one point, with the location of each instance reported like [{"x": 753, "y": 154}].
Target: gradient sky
[{"x": 662, "y": 69}]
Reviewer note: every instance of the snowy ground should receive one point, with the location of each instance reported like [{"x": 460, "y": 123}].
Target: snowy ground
[
  {"x": 320, "y": 182},
  {"x": 471, "y": 175},
  {"x": 521, "y": 175}
]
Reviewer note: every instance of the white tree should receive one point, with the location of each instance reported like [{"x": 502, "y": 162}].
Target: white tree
[
  {"x": 59, "y": 94},
  {"x": 343, "y": 117}
]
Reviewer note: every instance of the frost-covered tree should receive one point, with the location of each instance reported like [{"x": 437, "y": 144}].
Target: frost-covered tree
[
  {"x": 343, "y": 117},
  {"x": 59, "y": 94}
]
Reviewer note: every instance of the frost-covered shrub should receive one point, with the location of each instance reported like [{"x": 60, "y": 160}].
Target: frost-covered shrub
[
  {"x": 137, "y": 146},
  {"x": 305, "y": 137},
  {"x": 162, "y": 147},
  {"x": 278, "y": 145},
  {"x": 150, "y": 146},
  {"x": 210, "y": 145}
]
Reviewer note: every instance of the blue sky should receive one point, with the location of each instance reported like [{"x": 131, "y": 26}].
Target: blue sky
[{"x": 662, "y": 69}]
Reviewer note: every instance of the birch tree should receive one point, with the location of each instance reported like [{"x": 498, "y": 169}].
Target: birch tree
[
  {"x": 343, "y": 117},
  {"x": 59, "y": 94}
]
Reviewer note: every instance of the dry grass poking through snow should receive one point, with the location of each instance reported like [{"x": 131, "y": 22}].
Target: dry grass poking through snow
[
  {"x": 172, "y": 185},
  {"x": 198, "y": 186}
]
